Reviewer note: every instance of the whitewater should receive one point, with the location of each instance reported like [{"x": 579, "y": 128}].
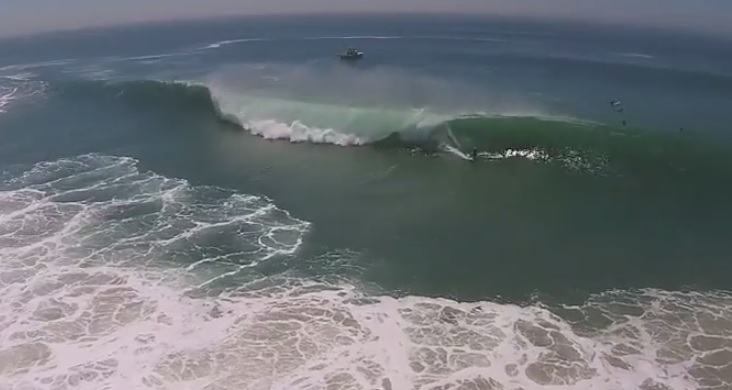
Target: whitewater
[
  {"x": 95, "y": 298},
  {"x": 343, "y": 106},
  {"x": 226, "y": 206}
]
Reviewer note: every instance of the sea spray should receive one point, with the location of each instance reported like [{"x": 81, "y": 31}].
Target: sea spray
[{"x": 572, "y": 143}]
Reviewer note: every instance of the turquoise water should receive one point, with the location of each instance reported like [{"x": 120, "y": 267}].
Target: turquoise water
[{"x": 226, "y": 205}]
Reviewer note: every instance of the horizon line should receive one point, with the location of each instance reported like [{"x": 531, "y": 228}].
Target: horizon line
[{"x": 284, "y": 15}]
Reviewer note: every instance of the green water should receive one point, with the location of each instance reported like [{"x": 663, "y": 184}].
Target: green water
[{"x": 195, "y": 204}]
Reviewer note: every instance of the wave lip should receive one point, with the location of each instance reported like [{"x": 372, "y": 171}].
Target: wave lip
[
  {"x": 299, "y": 121},
  {"x": 340, "y": 105},
  {"x": 272, "y": 113},
  {"x": 282, "y": 117}
]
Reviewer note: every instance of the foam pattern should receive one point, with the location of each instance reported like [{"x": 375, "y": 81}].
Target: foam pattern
[{"x": 115, "y": 278}]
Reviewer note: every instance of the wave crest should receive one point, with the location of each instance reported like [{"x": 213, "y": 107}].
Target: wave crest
[{"x": 577, "y": 145}]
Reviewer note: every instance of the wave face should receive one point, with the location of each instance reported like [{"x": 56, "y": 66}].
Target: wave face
[
  {"x": 343, "y": 105},
  {"x": 318, "y": 123},
  {"x": 274, "y": 114},
  {"x": 114, "y": 277},
  {"x": 277, "y": 114}
]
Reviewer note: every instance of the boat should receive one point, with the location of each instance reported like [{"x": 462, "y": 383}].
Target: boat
[{"x": 352, "y": 54}]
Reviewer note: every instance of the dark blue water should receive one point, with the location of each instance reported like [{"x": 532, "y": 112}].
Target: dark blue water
[{"x": 233, "y": 180}]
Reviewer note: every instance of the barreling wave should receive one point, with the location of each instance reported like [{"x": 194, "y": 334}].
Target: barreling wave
[{"x": 574, "y": 143}]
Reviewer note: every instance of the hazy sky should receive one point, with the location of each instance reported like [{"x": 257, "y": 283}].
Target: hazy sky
[{"x": 28, "y": 16}]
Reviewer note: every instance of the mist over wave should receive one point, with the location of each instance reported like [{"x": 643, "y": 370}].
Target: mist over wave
[
  {"x": 345, "y": 104},
  {"x": 267, "y": 105},
  {"x": 148, "y": 240}
]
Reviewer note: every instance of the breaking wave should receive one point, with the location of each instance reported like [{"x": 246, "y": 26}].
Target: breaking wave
[
  {"x": 277, "y": 116},
  {"x": 113, "y": 277},
  {"x": 439, "y": 128}
]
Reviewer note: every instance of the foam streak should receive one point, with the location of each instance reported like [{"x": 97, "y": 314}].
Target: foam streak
[{"x": 126, "y": 289}]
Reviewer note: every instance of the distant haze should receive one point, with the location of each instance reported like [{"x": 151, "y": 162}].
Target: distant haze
[{"x": 31, "y": 16}]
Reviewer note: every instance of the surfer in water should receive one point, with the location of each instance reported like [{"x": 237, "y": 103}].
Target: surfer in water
[{"x": 474, "y": 154}]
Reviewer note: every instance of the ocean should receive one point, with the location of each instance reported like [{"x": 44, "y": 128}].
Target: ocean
[{"x": 227, "y": 205}]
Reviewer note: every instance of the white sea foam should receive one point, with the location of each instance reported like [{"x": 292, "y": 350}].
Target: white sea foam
[
  {"x": 15, "y": 89},
  {"x": 146, "y": 59},
  {"x": 34, "y": 65},
  {"x": 22, "y": 76},
  {"x": 297, "y": 132},
  {"x": 220, "y": 44},
  {"x": 343, "y": 106},
  {"x": 111, "y": 279},
  {"x": 6, "y": 96},
  {"x": 530, "y": 154}
]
